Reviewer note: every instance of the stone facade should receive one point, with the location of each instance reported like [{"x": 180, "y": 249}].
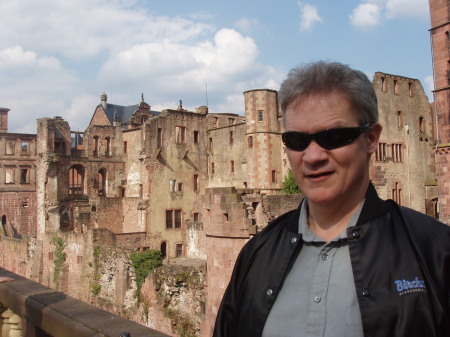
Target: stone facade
[
  {"x": 402, "y": 169},
  {"x": 17, "y": 181},
  {"x": 440, "y": 42}
]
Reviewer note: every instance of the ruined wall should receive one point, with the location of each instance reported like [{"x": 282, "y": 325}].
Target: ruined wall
[
  {"x": 172, "y": 299},
  {"x": 195, "y": 240},
  {"x": 227, "y": 162},
  {"x": 18, "y": 182},
  {"x": 404, "y": 162},
  {"x": 226, "y": 228},
  {"x": 175, "y": 159}
]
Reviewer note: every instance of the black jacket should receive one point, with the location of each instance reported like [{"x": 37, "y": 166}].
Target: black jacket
[{"x": 401, "y": 267}]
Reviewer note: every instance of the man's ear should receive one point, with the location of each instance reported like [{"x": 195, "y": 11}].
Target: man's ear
[{"x": 373, "y": 137}]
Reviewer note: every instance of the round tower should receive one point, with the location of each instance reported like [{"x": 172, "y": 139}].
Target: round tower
[{"x": 264, "y": 150}]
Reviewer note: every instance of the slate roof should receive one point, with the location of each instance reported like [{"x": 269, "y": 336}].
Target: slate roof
[{"x": 122, "y": 113}]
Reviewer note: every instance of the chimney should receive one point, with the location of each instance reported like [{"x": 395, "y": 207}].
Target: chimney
[
  {"x": 4, "y": 120},
  {"x": 104, "y": 100}
]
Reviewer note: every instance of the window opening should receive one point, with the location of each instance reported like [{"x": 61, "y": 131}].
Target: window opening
[
  {"x": 383, "y": 84},
  {"x": 177, "y": 218},
  {"x": 169, "y": 219},
  {"x": 108, "y": 147},
  {"x": 76, "y": 180},
  {"x": 397, "y": 153},
  {"x": 196, "y": 182},
  {"x": 163, "y": 249},
  {"x": 25, "y": 148},
  {"x": 396, "y": 87},
  {"x": 159, "y": 140},
  {"x": 380, "y": 153},
  {"x": 95, "y": 153},
  {"x": 101, "y": 179},
  {"x": 180, "y": 132},
  {"x": 24, "y": 176},
  {"x": 196, "y": 138},
  {"x": 9, "y": 147},
  {"x": 179, "y": 249},
  {"x": 260, "y": 115},
  {"x": 399, "y": 119},
  {"x": 9, "y": 175}
]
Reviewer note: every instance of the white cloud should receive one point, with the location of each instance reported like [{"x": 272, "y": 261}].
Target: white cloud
[
  {"x": 55, "y": 26},
  {"x": 54, "y": 64},
  {"x": 407, "y": 8},
  {"x": 247, "y": 25},
  {"x": 179, "y": 67},
  {"x": 370, "y": 13},
  {"x": 309, "y": 16},
  {"x": 366, "y": 16},
  {"x": 32, "y": 86}
]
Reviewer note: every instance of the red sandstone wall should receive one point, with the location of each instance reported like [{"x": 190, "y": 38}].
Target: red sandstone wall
[
  {"x": 20, "y": 210},
  {"x": 439, "y": 10}
]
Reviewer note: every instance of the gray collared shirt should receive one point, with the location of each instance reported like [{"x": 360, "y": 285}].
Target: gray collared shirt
[{"x": 318, "y": 297}]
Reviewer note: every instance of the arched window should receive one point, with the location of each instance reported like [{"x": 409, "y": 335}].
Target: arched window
[
  {"x": 76, "y": 180},
  {"x": 164, "y": 249},
  {"x": 101, "y": 178},
  {"x": 4, "y": 220}
]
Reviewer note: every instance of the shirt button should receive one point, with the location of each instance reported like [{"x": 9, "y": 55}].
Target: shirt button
[
  {"x": 356, "y": 234},
  {"x": 317, "y": 299},
  {"x": 366, "y": 292},
  {"x": 269, "y": 292},
  {"x": 293, "y": 240},
  {"x": 325, "y": 256}
]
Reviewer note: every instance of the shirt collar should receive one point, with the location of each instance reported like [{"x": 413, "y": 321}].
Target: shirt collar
[{"x": 309, "y": 236}]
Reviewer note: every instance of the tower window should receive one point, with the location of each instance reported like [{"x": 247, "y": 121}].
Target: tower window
[{"x": 260, "y": 115}]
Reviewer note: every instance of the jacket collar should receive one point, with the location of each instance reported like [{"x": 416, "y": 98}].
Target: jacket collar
[{"x": 373, "y": 208}]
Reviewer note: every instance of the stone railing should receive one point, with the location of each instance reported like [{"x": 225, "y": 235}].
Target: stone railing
[{"x": 30, "y": 309}]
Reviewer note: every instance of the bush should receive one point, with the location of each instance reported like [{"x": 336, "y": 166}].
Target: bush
[
  {"x": 289, "y": 184},
  {"x": 144, "y": 263}
]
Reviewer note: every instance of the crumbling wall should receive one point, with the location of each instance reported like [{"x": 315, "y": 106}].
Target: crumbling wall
[{"x": 173, "y": 299}]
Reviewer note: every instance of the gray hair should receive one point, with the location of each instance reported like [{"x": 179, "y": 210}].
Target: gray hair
[{"x": 324, "y": 77}]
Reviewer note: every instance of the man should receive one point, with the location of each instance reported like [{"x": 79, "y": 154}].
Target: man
[{"x": 345, "y": 263}]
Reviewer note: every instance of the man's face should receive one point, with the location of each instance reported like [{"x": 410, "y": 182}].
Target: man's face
[{"x": 330, "y": 177}]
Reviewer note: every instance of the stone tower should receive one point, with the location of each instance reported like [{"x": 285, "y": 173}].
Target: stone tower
[
  {"x": 440, "y": 40},
  {"x": 264, "y": 150}
]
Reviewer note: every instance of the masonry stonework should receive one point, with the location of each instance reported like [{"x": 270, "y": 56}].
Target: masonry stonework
[{"x": 439, "y": 34}]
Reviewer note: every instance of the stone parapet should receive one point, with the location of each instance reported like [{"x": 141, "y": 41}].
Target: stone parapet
[{"x": 45, "y": 312}]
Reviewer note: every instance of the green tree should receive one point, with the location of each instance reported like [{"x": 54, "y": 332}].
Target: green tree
[{"x": 289, "y": 184}]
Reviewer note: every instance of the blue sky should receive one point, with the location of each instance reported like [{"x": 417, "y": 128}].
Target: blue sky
[{"x": 58, "y": 56}]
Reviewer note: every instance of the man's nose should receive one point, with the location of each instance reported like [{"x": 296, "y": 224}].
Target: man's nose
[{"x": 314, "y": 153}]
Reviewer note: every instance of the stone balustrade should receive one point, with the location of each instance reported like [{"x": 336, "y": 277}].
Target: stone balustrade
[{"x": 29, "y": 309}]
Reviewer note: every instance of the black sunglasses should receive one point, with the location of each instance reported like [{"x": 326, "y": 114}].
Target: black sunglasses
[{"x": 328, "y": 139}]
